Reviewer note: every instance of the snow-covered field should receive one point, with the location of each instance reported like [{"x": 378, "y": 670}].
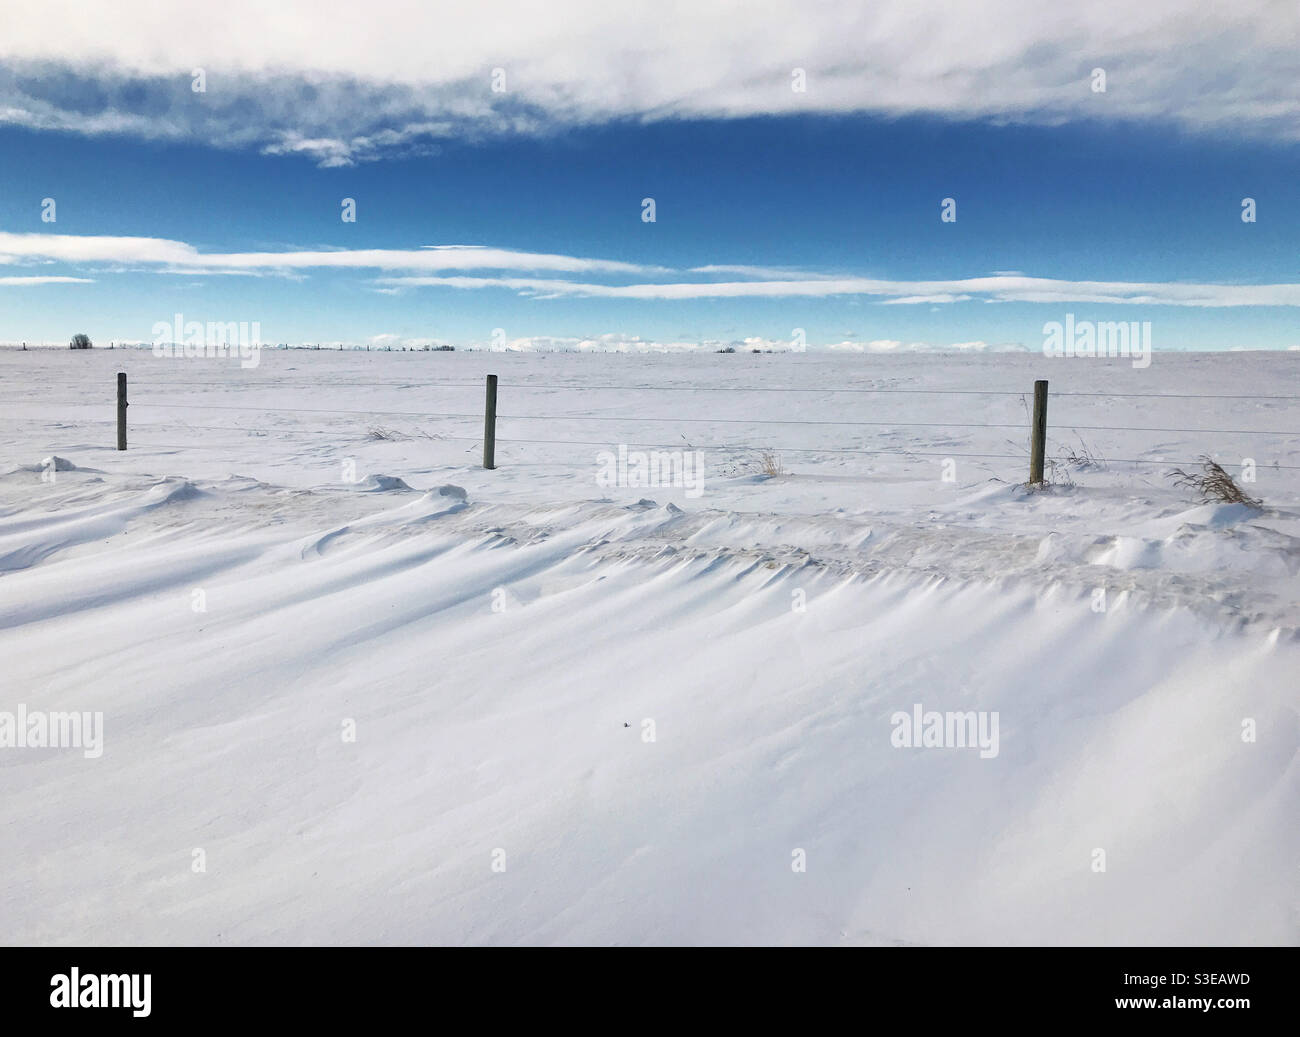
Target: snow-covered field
[{"x": 630, "y": 714}]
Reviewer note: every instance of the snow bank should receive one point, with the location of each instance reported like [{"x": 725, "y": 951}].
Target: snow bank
[{"x": 518, "y": 707}]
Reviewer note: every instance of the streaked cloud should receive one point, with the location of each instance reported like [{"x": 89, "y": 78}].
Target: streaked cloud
[
  {"x": 342, "y": 83},
  {"x": 180, "y": 257},
  {"x": 27, "y": 282},
  {"x": 513, "y": 271},
  {"x": 989, "y": 289}
]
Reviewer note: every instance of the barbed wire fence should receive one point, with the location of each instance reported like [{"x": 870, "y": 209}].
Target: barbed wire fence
[{"x": 152, "y": 395}]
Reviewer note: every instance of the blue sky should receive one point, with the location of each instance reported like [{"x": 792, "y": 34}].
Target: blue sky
[{"x": 1138, "y": 197}]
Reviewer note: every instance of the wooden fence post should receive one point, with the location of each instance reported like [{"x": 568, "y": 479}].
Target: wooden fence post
[
  {"x": 490, "y": 424},
  {"x": 121, "y": 410},
  {"x": 1038, "y": 445}
]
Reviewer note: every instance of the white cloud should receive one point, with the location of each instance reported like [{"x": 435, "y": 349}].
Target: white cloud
[
  {"x": 343, "y": 82},
  {"x": 993, "y": 289},
  {"x": 611, "y": 342},
  {"x": 620, "y": 342},
  {"x": 896, "y": 346},
  {"x": 25, "y": 282},
  {"x": 935, "y": 299},
  {"x": 413, "y": 265},
  {"x": 623, "y": 343},
  {"x": 180, "y": 257}
]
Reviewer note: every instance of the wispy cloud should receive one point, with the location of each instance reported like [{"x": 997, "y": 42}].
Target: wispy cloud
[
  {"x": 180, "y": 257},
  {"x": 515, "y": 271},
  {"x": 27, "y": 282},
  {"x": 991, "y": 289},
  {"x": 341, "y": 83}
]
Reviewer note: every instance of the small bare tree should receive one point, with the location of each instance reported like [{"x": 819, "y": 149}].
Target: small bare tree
[{"x": 79, "y": 341}]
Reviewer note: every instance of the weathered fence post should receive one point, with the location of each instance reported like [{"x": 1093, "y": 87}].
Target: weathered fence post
[
  {"x": 121, "y": 410},
  {"x": 1038, "y": 445},
  {"x": 490, "y": 424}
]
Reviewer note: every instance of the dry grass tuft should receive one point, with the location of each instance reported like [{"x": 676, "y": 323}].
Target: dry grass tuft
[
  {"x": 769, "y": 463},
  {"x": 1214, "y": 484},
  {"x": 1082, "y": 458}
]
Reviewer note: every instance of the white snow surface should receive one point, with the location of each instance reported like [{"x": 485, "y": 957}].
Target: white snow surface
[{"x": 500, "y": 639}]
